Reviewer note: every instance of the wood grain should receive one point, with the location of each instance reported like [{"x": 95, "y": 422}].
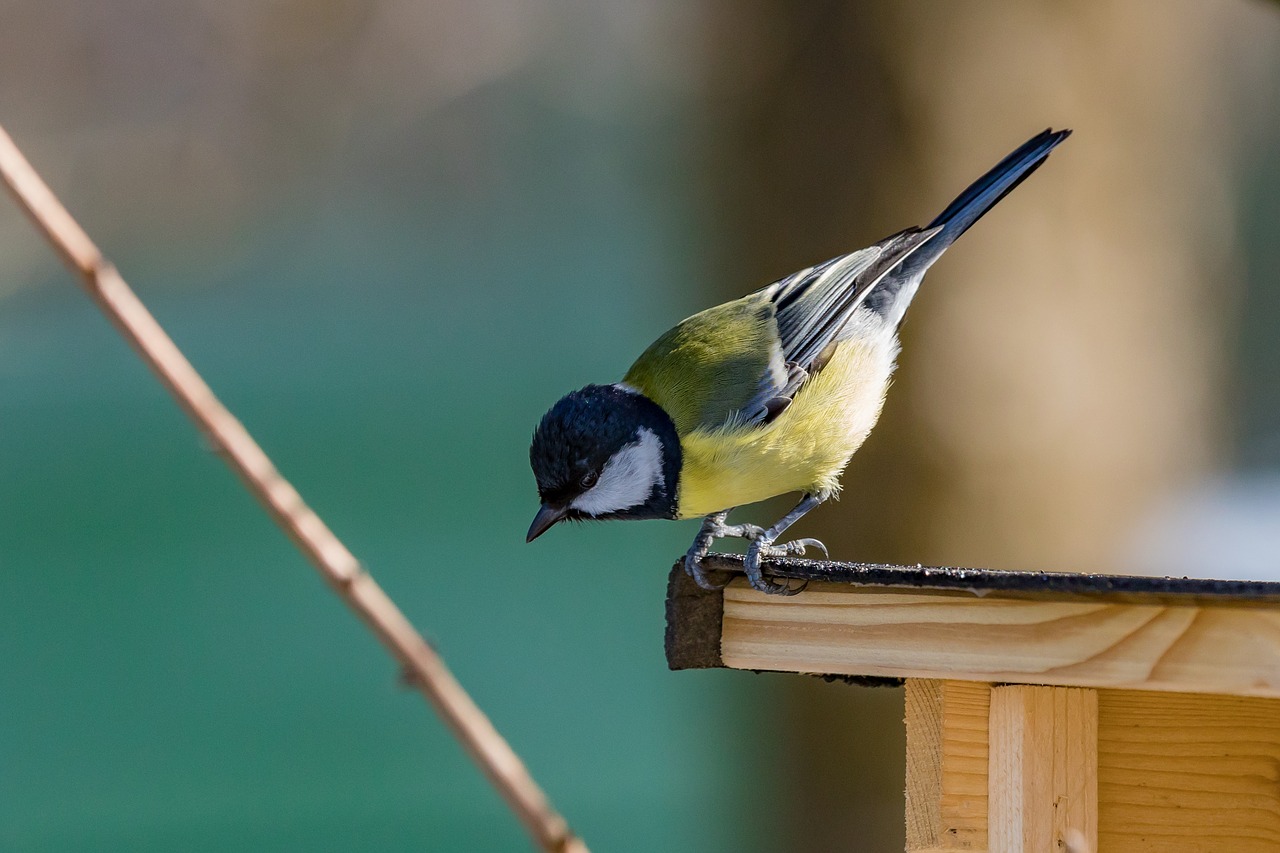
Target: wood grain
[
  {"x": 835, "y": 628},
  {"x": 1180, "y": 773},
  {"x": 946, "y": 805},
  {"x": 1043, "y": 777},
  {"x": 1177, "y": 772}
]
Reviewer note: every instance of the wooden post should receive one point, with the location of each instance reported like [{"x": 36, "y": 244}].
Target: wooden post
[{"x": 1043, "y": 780}]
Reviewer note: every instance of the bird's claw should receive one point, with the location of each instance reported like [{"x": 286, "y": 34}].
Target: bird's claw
[
  {"x": 761, "y": 548},
  {"x": 785, "y": 588},
  {"x": 693, "y": 568},
  {"x": 795, "y": 546},
  {"x": 703, "y": 579}
]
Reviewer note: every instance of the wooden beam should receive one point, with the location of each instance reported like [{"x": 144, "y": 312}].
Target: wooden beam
[
  {"x": 946, "y": 765},
  {"x": 923, "y": 633},
  {"x": 1043, "y": 777}
]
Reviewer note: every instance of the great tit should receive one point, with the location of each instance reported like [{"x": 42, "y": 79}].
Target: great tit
[{"x": 769, "y": 394}]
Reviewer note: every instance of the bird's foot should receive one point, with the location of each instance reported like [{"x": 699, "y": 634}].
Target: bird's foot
[
  {"x": 713, "y": 528},
  {"x": 762, "y": 547}
]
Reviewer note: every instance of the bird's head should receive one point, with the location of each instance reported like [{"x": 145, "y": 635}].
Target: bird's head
[{"x": 604, "y": 452}]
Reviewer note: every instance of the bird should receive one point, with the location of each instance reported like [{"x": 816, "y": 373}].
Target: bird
[{"x": 762, "y": 396}]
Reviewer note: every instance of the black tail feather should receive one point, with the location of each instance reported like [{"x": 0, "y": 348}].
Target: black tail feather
[
  {"x": 986, "y": 192},
  {"x": 890, "y": 299}
]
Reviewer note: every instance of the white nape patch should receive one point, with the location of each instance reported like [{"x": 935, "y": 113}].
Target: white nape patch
[
  {"x": 628, "y": 478},
  {"x": 622, "y": 386}
]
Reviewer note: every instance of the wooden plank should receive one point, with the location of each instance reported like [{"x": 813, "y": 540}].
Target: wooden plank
[
  {"x": 842, "y": 629},
  {"x": 1043, "y": 778},
  {"x": 1187, "y": 773},
  {"x": 924, "y": 720},
  {"x": 946, "y": 765}
]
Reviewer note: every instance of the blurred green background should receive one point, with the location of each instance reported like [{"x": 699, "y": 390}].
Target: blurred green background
[{"x": 391, "y": 233}]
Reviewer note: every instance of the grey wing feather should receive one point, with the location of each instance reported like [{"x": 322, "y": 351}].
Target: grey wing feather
[{"x": 812, "y": 308}]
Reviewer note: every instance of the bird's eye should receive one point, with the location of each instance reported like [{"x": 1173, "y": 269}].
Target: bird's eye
[{"x": 589, "y": 479}]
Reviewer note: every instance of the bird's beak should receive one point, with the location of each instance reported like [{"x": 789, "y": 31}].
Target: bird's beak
[{"x": 544, "y": 520}]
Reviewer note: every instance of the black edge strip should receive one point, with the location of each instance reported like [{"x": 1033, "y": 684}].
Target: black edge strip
[{"x": 1128, "y": 588}]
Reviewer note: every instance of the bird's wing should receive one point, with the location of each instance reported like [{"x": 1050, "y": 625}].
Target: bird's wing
[
  {"x": 812, "y": 308},
  {"x": 814, "y": 305},
  {"x": 741, "y": 363}
]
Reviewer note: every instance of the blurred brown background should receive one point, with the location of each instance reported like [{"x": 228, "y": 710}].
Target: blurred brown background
[{"x": 393, "y": 232}]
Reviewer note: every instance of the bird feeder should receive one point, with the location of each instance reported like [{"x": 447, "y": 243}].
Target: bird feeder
[{"x": 1044, "y": 711}]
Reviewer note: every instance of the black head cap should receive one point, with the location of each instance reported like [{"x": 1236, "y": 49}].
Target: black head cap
[{"x": 578, "y": 437}]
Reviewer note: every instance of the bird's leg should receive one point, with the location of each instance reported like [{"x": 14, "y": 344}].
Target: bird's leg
[
  {"x": 713, "y": 528},
  {"x": 762, "y": 546}
]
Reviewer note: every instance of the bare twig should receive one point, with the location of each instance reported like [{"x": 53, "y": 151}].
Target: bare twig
[{"x": 424, "y": 668}]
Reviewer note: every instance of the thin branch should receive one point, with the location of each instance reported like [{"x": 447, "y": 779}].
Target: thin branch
[{"x": 425, "y": 668}]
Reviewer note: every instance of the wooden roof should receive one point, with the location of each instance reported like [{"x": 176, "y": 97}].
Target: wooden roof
[{"x": 1058, "y": 628}]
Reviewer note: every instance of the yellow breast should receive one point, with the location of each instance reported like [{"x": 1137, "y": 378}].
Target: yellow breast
[{"x": 805, "y": 449}]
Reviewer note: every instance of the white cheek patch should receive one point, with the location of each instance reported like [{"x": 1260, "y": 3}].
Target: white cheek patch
[{"x": 628, "y": 478}]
